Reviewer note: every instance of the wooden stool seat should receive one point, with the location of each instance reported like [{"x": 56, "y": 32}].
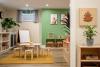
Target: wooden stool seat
[{"x": 27, "y": 52}]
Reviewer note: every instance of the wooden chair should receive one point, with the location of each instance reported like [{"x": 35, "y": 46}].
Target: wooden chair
[
  {"x": 50, "y": 42},
  {"x": 26, "y": 43},
  {"x": 17, "y": 49},
  {"x": 27, "y": 53},
  {"x": 59, "y": 43}
]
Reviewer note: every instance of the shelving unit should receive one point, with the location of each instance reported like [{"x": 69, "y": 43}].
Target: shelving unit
[
  {"x": 88, "y": 56},
  {"x": 4, "y": 42}
]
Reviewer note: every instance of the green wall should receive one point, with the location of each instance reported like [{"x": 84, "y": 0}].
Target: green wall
[{"x": 47, "y": 28}]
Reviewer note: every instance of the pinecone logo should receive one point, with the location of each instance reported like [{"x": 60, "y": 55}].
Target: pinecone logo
[{"x": 87, "y": 17}]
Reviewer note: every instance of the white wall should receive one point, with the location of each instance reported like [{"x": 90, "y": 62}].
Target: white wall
[
  {"x": 73, "y": 33},
  {"x": 34, "y": 29},
  {"x": 76, "y": 30},
  {"x": 11, "y": 13},
  {"x": 4, "y": 11},
  {"x": 88, "y": 4},
  {"x": 7, "y": 13}
]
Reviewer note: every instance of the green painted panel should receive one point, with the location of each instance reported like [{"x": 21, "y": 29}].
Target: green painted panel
[{"x": 47, "y": 28}]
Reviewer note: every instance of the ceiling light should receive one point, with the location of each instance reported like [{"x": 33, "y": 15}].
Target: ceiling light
[
  {"x": 47, "y": 5},
  {"x": 26, "y": 5}
]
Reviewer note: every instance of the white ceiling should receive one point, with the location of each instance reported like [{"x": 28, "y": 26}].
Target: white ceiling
[{"x": 35, "y": 4}]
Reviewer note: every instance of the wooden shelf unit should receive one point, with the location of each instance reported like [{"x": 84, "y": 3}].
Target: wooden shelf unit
[
  {"x": 4, "y": 41},
  {"x": 90, "y": 60},
  {"x": 88, "y": 56}
]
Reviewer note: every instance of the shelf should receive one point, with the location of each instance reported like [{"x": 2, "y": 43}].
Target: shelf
[
  {"x": 3, "y": 51},
  {"x": 5, "y": 41},
  {"x": 88, "y": 55},
  {"x": 4, "y": 32},
  {"x": 93, "y": 46},
  {"x": 90, "y": 60}
]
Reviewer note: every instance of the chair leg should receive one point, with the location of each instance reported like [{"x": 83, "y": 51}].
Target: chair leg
[
  {"x": 15, "y": 52},
  {"x": 31, "y": 55},
  {"x": 25, "y": 56},
  {"x": 19, "y": 53},
  {"x": 43, "y": 52}
]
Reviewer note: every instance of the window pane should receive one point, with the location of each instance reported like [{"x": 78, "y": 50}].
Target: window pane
[{"x": 27, "y": 16}]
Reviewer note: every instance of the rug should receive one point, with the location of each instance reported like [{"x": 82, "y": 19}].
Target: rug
[{"x": 13, "y": 58}]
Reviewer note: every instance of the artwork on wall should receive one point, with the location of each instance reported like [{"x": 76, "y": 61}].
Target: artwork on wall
[
  {"x": 53, "y": 19},
  {"x": 87, "y": 16},
  {"x": 64, "y": 18}
]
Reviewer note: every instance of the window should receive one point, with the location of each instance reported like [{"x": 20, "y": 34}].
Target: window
[{"x": 27, "y": 15}]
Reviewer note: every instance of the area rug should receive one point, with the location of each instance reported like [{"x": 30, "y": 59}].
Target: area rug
[{"x": 15, "y": 59}]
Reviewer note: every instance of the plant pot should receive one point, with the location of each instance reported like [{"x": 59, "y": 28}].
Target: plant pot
[{"x": 90, "y": 42}]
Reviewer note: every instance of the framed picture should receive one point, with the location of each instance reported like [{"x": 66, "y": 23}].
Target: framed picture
[
  {"x": 64, "y": 18},
  {"x": 87, "y": 16},
  {"x": 53, "y": 19}
]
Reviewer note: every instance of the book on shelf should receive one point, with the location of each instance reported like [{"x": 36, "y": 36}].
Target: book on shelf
[{"x": 92, "y": 58}]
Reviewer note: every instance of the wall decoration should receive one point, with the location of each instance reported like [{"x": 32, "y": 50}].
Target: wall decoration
[
  {"x": 87, "y": 16},
  {"x": 53, "y": 19},
  {"x": 64, "y": 18}
]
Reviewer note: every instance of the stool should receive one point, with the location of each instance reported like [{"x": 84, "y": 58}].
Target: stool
[
  {"x": 28, "y": 51},
  {"x": 50, "y": 44},
  {"x": 59, "y": 44},
  {"x": 17, "y": 49}
]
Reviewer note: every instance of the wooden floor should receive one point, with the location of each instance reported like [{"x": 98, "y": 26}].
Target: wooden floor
[
  {"x": 58, "y": 57},
  {"x": 36, "y": 65}
]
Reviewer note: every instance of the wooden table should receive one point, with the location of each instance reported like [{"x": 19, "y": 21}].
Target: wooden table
[{"x": 33, "y": 45}]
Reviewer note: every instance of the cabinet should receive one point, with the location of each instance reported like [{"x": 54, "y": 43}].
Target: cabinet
[
  {"x": 88, "y": 56},
  {"x": 4, "y": 41}
]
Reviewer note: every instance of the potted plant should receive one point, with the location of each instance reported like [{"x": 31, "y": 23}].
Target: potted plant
[
  {"x": 89, "y": 32},
  {"x": 8, "y": 23}
]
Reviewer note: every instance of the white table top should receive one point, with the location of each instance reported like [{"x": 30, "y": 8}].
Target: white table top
[{"x": 36, "y": 43}]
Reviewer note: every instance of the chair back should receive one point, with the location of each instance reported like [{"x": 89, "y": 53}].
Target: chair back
[{"x": 24, "y": 36}]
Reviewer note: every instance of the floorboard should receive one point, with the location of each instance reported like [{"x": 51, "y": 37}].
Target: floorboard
[{"x": 58, "y": 57}]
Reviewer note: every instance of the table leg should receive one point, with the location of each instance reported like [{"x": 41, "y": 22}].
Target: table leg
[{"x": 37, "y": 51}]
